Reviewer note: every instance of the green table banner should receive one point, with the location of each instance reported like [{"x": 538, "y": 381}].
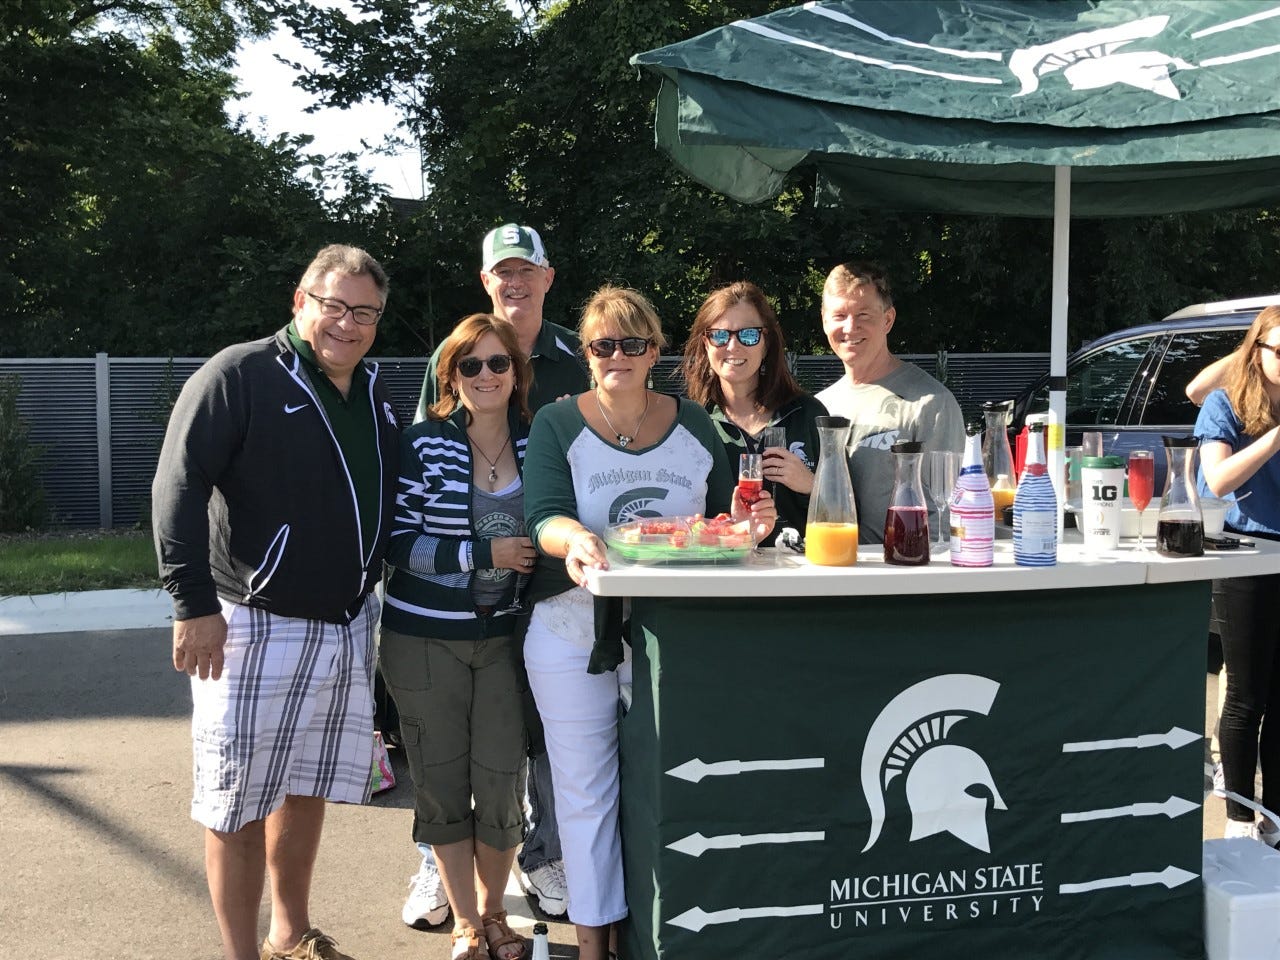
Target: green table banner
[{"x": 1012, "y": 774}]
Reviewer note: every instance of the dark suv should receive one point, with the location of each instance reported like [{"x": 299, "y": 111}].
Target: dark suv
[{"x": 1131, "y": 385}]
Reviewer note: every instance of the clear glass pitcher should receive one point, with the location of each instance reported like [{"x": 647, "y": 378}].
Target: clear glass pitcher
[
  {"x": 831, "y": 533},
  {"x": 906, "y": 521},
  {"x": 997, "y": 458},
  {"x": 1180, "y": 525}
]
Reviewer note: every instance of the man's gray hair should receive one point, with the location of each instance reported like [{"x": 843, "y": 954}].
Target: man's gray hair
[{"x": 351, "y": 261}]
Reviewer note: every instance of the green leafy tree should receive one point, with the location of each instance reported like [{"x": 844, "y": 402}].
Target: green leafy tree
[
  {"x": 22, "y": 498},
  {"x": 139, "y": 219},
  {"x": 145, "y": 220}
]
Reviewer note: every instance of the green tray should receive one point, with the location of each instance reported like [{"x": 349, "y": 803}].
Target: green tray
[{"x": 657, "y": 548}]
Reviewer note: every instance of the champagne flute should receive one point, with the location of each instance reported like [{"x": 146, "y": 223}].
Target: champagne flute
[
  {"x": 772, "y": 437},
  {"x": 750, "y": 483},
  {"x": 750, "y": 477},
  {"x": 1142, "y": 482},
  {"x": 941, "y": 468}
]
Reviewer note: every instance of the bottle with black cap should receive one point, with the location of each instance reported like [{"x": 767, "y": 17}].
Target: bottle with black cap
[{"x": 541, "y": 948}]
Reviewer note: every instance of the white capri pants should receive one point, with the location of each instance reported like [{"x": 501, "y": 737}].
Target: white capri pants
[{"x": 580, "y": 716}]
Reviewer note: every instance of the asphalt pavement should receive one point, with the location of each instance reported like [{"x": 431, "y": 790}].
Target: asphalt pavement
[{"x": 100, "y": 856}]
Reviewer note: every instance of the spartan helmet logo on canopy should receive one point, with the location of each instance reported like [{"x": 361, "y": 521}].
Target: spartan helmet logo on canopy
[{"x": 908, "y": 738}]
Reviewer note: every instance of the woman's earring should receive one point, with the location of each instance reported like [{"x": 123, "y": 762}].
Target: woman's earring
[
  {"x": 649, "y": 381},
  {"x": 591, "y": 381}
]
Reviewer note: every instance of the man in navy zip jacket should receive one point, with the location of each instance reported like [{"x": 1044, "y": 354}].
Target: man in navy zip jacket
[{"x": 271, "y": 507}]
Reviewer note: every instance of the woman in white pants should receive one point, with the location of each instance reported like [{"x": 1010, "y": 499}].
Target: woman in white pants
[{"x": 615, "y": 453}]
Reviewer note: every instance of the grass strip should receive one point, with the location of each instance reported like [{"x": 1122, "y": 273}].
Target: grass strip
[{"x": 69, "y": 561}]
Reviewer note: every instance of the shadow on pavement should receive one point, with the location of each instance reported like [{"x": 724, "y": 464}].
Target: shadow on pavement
[
  {"x": 38, "y": 783},
  {"x": 112, "y": 673}
]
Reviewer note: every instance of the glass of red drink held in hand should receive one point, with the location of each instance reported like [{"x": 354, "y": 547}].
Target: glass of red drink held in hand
[
  {"x": 750, "y": 477},
  {"x": 1142, "y": 481},
  {"x": 750, "y": 483}
]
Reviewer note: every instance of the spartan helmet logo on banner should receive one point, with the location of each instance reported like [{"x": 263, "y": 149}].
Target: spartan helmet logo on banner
[{"x": 908, "y": 738}]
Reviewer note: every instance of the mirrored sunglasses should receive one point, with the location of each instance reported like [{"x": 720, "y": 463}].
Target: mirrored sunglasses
[
  {"x": 747, "y": 336},
  {"x": 470, "y": 366},
  {"x": 631, "y": 346}
]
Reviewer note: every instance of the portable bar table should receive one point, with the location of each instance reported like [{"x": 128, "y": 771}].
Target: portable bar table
[{"x": 884, "y": 761}]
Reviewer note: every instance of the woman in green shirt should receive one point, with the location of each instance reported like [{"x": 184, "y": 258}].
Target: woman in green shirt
[
  {"x": 618, "y": 452},
  {"x": 735, "y": 365}
]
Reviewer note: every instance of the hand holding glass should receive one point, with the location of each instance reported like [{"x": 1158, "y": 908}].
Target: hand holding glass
[{"x": 1142, "y": 481}]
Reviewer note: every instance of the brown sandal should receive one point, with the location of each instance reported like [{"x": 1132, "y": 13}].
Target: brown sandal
[
  {"x": 506, "y": 937},
  {"x": 468, "y": 945}
]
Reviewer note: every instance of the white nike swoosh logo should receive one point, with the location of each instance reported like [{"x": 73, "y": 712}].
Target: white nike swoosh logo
[{"x": 290, "y": 408}]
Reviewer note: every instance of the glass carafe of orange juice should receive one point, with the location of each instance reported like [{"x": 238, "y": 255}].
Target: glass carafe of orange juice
[{"x": 831, "y": 533}]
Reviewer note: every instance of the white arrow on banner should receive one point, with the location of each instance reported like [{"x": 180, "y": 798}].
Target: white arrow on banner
[
  {"x": 694, "y": 770},
  {"x": 695, "y": 845},
  {"x": 697, "y": 918},
  {"x": 1175, "y": 738},
  {"x": 1170, "y": 876},
  {"x": 1173, "y": 807}
]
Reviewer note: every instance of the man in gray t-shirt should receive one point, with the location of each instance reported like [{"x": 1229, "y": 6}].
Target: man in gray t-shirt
[{"x": 884, "y": 398}]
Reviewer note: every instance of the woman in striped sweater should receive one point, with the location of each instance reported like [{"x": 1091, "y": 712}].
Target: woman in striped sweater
[{"x": 457, "y": 551}]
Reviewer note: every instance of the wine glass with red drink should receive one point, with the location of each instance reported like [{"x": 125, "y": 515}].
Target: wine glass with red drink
[{"x": 1142, "y": 482}]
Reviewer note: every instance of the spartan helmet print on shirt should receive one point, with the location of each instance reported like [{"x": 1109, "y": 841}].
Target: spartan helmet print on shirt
[{"x": 636, "y": 504}]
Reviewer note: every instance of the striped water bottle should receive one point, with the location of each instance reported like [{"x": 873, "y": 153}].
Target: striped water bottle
[
  {"x": 1035, "y": 509},
  {"x": 973, "y": 525}
]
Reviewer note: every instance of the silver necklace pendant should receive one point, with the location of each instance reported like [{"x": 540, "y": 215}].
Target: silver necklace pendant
[
  {"x": 624, "y": 439},
  {"x": 493, "y": 474}
]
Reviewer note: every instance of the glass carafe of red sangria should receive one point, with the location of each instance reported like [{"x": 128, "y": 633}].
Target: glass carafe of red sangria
[
  {"x": 906, "y": 522},
  {"x": 1180, "y": 525}
]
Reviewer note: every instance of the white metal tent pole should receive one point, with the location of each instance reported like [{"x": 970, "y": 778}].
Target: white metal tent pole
[{"x": 1058, "y": 334}]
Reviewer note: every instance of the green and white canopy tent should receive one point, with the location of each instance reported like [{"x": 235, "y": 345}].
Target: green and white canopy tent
[{"x": 1008, "y": 107}]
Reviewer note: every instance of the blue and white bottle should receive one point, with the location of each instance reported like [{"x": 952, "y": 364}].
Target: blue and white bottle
[{"x": 1035, "y": 509}]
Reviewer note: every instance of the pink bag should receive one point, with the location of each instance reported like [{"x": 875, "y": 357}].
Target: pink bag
[{"x": 382, "y": 777}]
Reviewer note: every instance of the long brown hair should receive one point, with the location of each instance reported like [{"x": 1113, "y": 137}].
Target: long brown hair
[
  {"x": 470, "y": 331},
  {"x": 776, "y": 385},
  {"x": 1246, "y": 386}
]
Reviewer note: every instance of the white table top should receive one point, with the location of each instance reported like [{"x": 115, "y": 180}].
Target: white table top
[{"x": 787, "y": 575}]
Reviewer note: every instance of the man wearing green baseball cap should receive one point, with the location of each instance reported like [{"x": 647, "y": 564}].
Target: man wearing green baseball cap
[{"x": 516, "y": 274}]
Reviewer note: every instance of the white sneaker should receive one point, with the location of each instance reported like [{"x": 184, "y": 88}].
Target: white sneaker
[
  {"x": 1247, "y": 829},
  {"x": 547, "y": 883},
  {"x": 427, "y": 905}
]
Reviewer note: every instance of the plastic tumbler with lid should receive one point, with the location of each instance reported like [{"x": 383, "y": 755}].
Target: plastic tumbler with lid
[{"x": 1101, "y": 489}]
